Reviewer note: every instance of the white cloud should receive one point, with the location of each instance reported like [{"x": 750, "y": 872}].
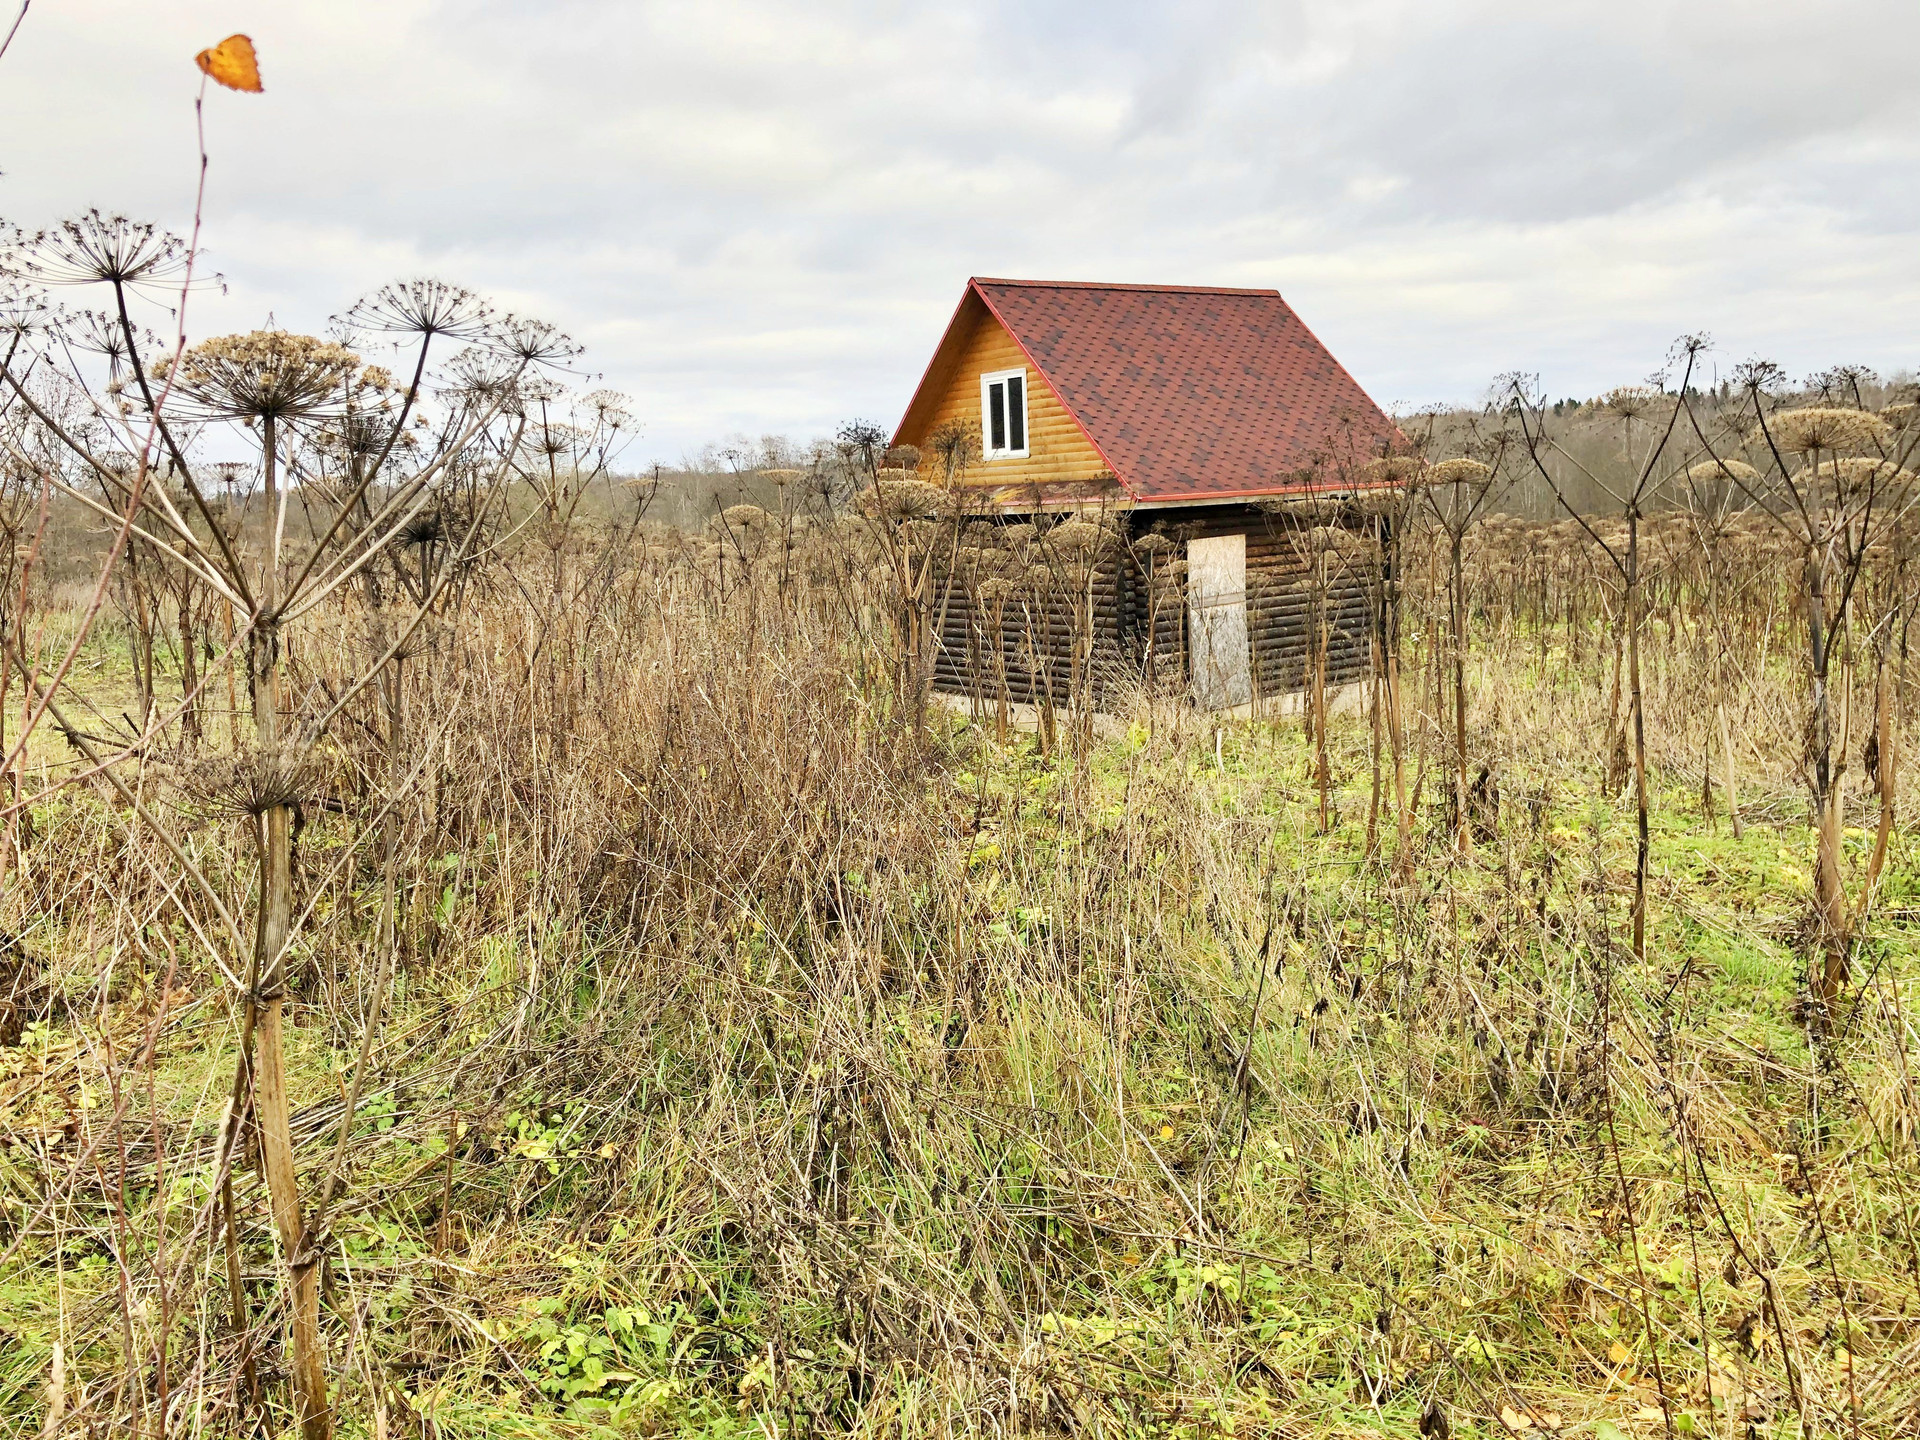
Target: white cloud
[{"x": 758, "y": 214}]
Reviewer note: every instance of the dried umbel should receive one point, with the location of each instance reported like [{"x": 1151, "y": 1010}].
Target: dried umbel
[
  {"x": 1711, "y": 472},
  {"x": 1393, "y": 469},
  {"x": 1821, "y": 427},
  {"x": 1857, "y": 472},
  {"x": 23, "y": 312},
  {"x": 102, "y": 334},
  {"x": 1077, "y": 537},
  {"x": 782, "y": 476},
  {"x": 925, "y": 534},
  {"x": 956, "y": 445},
  {"x": 253, "y": 782},
  {"x": 996, "y": 588},
  {"x": 420, "y": 307},
  {"x": 902, "y": 498},
  {"x": 1390, "y": 503},
  {"x": 267, "y": 374},
  {"x": 430, "y": 527},
  {"x": 1901, "y": 414},
  {"x": 1016, "y": 535},
  {"x": 533, "y": 342},
  {"x": 746, "y": 517},
  {"x": 1631, "y": 402},
  {"x": 1153, "y": 543},
  {"x": 1459, "y": 471},
  {"x": 1339, "y": 540},
  {"x": 99, "y": 249},
  {"x": 1296, "y": 507},
  {"x": 973, "y": 553}
]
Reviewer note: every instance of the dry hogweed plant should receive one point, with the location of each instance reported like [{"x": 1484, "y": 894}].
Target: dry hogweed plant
[
  {"x": 539, "y": 971},
  {"x": 349, "y": 471},
  {"x": 1835, "y": 478},
  {"x": 1648, "y": 407}
]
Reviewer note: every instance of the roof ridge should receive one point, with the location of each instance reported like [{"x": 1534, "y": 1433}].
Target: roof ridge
[{"x": 1123, "y": 285}]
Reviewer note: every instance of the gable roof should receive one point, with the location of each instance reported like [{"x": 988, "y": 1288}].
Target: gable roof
[{"x": 1187, "y": 392}]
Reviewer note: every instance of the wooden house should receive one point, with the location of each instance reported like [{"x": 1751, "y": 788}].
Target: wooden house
[{"x": 1208, "y": 431}]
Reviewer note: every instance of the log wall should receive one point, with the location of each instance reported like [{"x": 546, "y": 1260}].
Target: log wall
[{"x": 1138, "y": 619}]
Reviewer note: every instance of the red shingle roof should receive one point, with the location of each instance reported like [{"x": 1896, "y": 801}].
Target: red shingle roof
[{"x": 1187, "y": 391}]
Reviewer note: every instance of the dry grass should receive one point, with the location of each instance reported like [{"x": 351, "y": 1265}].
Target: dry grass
[{"x": 760, "y": 1061}]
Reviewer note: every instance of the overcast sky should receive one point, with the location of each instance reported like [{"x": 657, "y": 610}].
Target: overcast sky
[{"x": 758, "y": 216}]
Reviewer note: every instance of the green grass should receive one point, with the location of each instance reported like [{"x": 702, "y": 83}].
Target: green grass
[{"x": 972, "y": 1152}]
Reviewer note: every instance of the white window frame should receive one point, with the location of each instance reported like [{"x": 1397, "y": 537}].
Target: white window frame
[{"x": 1000, "y": 377}]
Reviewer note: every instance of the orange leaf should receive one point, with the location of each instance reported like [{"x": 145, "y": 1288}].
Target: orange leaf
[{"x": 232, "y": 63}]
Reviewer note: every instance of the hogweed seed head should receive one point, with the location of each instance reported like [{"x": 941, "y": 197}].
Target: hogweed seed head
[
  {"x": 1821, "y": 427},
  {"x": 1393, "y": 469},
  {"x": 266, "y": 374},
  {"x": 420, "y": 307},
  {"x": 745, "y": 517},
  {"x": 1459, "y": 471},
  {"x": 1077, "y": 536},
  {"x": 1631, "y": 402},
  {"x": 94, "y": 249},
  {"x": 1859, "y": 471},
  {"x": 1713, "y": 471},
  {"x": 534, "y": 342},
  {"x": 900, "y": 499}
]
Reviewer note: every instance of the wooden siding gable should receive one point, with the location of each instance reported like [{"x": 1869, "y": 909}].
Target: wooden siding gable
[{"x": 1059, "y": 450}]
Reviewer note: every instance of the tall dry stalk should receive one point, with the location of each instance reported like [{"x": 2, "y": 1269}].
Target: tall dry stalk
[
  {"x": 1835, "y": 478},
  {"x": 1459, "y": 493},
  {"x": 285, "y": 393},
  {"x": 1632, "y": 404},
  {"x": 1714, "y": 504}
]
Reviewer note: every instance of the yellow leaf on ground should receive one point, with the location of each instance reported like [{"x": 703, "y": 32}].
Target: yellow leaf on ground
[
  {"x": 1619, "y": 1354},
  {"x": 232, "y": 63},
  {"x": 1521, "y": 1421}
]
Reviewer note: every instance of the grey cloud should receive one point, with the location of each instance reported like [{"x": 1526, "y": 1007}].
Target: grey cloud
[{"x": 759, "y": 214}]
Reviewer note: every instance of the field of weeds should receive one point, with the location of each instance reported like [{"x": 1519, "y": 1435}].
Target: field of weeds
[
  {"x": 682, "y": 1038},
  {"x": 477, "y": 961}
]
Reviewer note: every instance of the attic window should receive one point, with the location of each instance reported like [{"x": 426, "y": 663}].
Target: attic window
[{"x": 1003, "y": 414}]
